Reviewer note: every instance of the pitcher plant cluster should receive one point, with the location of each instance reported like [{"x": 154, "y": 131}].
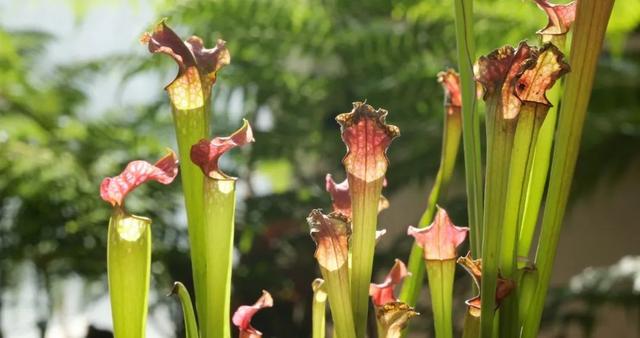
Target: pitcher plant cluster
[{"x": 530, "y": 155}]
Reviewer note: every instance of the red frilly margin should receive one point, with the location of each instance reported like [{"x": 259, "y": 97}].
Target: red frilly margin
[
  {"x": 206, "y": 154},
  {"x": 115, "y": 189},
  {"x": 198, "y": 66},
  {"x": 242, "y": 316},
  {"x": 383, "y": 293},
  {"x": 498, "y": 72},
  {"x": 367, "y": 138},
  {"x": 513, "y": 76},
  {"x": 440, "y": 239}
]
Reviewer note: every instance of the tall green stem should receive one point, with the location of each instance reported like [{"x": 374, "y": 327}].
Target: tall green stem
[
  {"x": 450, "y": 143},
  {"x": 191, "y": 126},
  {"x": 529, "y": 121},
  {"x": 470, "y": 121},
  {"x": 219, "y": 217},
  {"x": 365, "y": 197},
  {"x": 319, "y": 309},
  {"x": 128, "y": 270},
  {"x": 500, "y": 134},
  {"x": 536, "y": 178},
  {"x": 337, "y": 284},
  {"x": 591, "y": 21},
  {"x": 471, "y": 326},
  {"x": 441, "y": 273}
]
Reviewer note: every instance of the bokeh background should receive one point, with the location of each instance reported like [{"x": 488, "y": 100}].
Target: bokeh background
[{"x": 80, "y": 97}]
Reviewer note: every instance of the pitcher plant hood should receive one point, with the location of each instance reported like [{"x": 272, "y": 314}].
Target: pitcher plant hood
[
  {"x": 383, "y": 293},
  {"x": 367, "y": 137},
  {"x": 115, "y": 189},
  {"x": 206, "y": 154},
  {"x": 243, "y": 315},
  {"x": 440, "y": 239}
]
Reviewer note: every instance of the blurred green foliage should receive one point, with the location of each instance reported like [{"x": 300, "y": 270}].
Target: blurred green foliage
[{"x": 295, "y": 66}]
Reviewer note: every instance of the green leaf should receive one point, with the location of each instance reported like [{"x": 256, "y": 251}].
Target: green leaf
[
  {"x": 470, "y": 121},
  {"x": 191, "y": 126},
  {"x": 190, "y": 324}
]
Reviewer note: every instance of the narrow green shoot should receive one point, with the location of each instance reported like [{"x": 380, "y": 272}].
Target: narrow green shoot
[
  {"x": 500, "y": 133},
  {"x": 536, "y": 179},
  {"x": 591, "y": 22},
  {"x": 364, "y": 199},
  {"x": 471, "y": 328},
  {"x": 318, "y": 309},
  {"x": 527, "y": 281},
  {"x": 440, "y": 274},
  {"x": 525, "y": 134},
  {"x": 470, "y": 121},
  {"x": 190, "y": 324}
]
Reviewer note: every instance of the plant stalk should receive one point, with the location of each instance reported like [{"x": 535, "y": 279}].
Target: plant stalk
[
  {"x": 337, "y": 286},
  {"x": 191, "y": 126},
  {"x": 470, "y": 121},
  {"x": 440, "y": 274},
  {"x": 219, "y": 218},
  {"x": 530, "y": 119},
  {"x": 128, "y": 270},
  {"x": 319, "y": 309},
  {"x": 500, "y": 135},
  {"x": 365, "y": 197},
  {"x": 536, "y": 178},
  {"x": 471, "y": 327},
  {"x": 592, "y": 17}
]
